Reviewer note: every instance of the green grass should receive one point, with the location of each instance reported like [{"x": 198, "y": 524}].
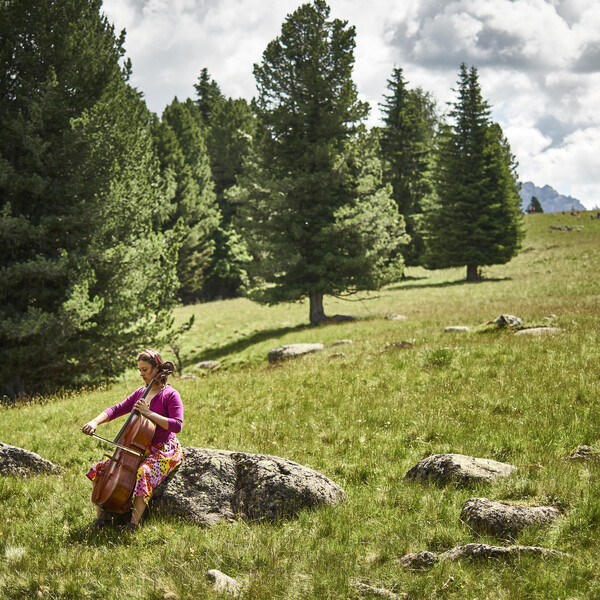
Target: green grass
[{"x": 362, "y": 419}]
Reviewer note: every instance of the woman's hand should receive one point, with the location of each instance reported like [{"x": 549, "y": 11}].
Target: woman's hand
[
  {"x": 143, "y": 409},
  {"x": 90, "y": 427}
]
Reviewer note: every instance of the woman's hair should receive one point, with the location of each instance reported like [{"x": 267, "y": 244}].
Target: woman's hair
[{"x": 152, "y": 357}]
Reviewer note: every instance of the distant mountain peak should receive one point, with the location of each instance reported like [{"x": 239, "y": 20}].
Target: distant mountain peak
[{"x": 549, "y": 198}]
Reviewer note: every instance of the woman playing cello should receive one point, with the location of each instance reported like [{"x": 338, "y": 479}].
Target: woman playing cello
[{"x": 163, "y": 406}]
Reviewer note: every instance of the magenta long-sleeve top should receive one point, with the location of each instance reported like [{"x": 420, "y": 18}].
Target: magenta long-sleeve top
[{"x": 166, "y": 403}]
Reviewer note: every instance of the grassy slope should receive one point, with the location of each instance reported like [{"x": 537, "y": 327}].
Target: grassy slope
[{"x": 362, "y": 419}]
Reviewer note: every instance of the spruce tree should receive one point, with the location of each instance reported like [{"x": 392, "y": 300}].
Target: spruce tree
[
  {"x": 230, "y": 126},
  {"x": 476, "y": 220},
  {"x": 182, "y": 151},
  {"x": 208, "y": 94},
  {"x": 407, "y": 139},
  {"x": 312, "y": 206},
  {"x": 535, "y": 206},
  {"x": 87, "y": 272}
]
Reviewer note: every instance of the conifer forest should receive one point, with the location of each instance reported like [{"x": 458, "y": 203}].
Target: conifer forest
[{"x": 111, "y": 216}]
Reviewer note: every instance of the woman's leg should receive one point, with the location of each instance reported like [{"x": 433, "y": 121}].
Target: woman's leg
[{"x": 139, "y": 506}]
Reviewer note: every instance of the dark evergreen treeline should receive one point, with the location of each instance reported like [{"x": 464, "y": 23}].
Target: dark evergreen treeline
[{"x": 111, "y": 215}]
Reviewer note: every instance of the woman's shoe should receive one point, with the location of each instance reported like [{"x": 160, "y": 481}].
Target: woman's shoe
[
  {"x": 99, "y": 523},
  {"x": 132, "y": 527}
]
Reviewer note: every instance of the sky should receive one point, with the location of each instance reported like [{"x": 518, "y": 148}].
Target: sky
[{"x": 538, "y": 63}]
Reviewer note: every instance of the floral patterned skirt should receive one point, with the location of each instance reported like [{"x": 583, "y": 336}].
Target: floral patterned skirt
[{"x": 163, "y": 458}]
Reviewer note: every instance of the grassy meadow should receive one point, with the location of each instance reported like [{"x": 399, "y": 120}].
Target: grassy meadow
[{"x": 362, "y": 419}]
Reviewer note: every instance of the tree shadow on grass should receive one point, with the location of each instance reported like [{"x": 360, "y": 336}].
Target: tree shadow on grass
[
  {"x": 241, "y": 344},
  {"x": 410, "y": 286}
]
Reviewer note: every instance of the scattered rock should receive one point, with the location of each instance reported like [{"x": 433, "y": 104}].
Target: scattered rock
[
  {"x": 399, "y": 345},
  {"x": 549, "y": 317},
  {"x": 419, "y": 561},
  {"x": 337, "y": 355},
  {"x": 567, "y": 227},
  {"x": 457, "y": 328},
  {"x": 216, "y": 485},
  {"x": 23, "y": 463},
  {"x": 503, "y": 519},
  {"x": 488, "y": 551},
  {"x": 458, "y": 468},
  {"x": 341, "y": 343},
  {"x": 478, "y": 551},
  {"x": 293, "y": 351},
  {"x": 508, "y": 320},
  {"x": 583, "y": 452},
  {"x": 365, "y": 589},
  {"x": 539, "y": 331},
  {"x": 223, "y": 584},
  {"x": 394, "y": 317},
  {"x": 207, "y": 364}
]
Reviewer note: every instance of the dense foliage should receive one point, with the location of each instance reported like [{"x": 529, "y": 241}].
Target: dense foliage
[
  {"x": 179, "y": 138},
  {"x": 407, "y": 138},
  {"x": 85, "y": 262},
  {"x": 314, "y": 212},
  {"x": 230, "y": 127},
  {"x": 477, "y": 218}
]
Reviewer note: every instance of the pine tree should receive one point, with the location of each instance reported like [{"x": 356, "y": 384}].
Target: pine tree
[
  {"x": 182, "y": 151},
  {"x": 476, "y": 220},
  {"x": 407, "y": 139},
  {"x": 87, "y": 272},
  {"x": 312, "y": 205}
]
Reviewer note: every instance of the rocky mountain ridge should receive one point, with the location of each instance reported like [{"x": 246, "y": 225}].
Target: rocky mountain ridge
[{"x": 549, "y": 198}]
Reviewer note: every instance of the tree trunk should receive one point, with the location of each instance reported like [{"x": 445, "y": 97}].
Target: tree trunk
[
  {"x": 472, "y": 274},
  {"x": 317, "y": 314}
]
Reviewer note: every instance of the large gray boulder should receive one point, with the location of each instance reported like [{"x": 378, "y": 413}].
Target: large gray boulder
[
  {"x": 292, "y": 351},
  {"x": 216, "y": 485},
  {"x": 23, "y": 463},
  {"x": 502, "y": 519},
  {"x": 458, "y": 468}
]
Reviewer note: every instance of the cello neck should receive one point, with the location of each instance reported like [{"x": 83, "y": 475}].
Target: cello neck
[{"x": 133, "y": 411}]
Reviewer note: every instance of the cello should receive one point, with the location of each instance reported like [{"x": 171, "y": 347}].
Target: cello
[{"x": 113, "y": 489}]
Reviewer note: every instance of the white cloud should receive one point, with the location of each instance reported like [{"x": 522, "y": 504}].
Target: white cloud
[
  {"x": 572, "y": 167},
  {"x": 538, "y": 61}
]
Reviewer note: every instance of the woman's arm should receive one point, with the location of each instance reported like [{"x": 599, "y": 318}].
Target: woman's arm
[{"x": 173, "y": 420}]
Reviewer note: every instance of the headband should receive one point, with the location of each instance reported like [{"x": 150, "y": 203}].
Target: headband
[{"x": 154, "y": 356}]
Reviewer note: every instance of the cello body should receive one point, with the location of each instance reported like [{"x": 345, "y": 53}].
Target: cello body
[{"x": 113, "y": 489}]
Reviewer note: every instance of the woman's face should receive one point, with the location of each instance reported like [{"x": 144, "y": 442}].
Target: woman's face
[{"x": 147, "y": 371}]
